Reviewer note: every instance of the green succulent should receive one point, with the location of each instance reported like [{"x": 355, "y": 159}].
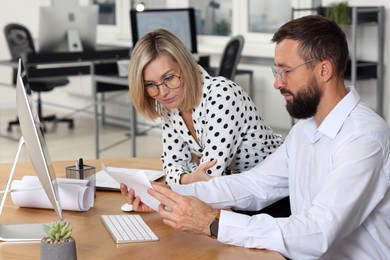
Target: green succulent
[
  {"x": 338, "y": 12},
  {"x": 58, "y": 232}
]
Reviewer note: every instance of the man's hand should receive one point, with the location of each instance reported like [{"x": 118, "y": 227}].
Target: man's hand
[
  {"x": 200, "y": 174},
  {"x": 184, "y": 213}
]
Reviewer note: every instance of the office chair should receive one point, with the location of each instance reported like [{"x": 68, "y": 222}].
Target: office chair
[
  {"x": 230, "y": 58},
  {"x": 21, "y": 44},
  {"x": 229, "y": 62}
]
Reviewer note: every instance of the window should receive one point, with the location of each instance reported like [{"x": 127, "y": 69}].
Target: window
[
  {"x": 213, "y": 17},
  {"x": 149, "y": 4},
  {"x": 217, "y": 20},
  {"x": 107, "y": 13},
  {"x": 108, "y": 9},
  {"x": 266, "y": 16}
]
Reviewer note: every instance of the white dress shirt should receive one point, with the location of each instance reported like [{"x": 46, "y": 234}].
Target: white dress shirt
[{"x": 337, "y": 176}]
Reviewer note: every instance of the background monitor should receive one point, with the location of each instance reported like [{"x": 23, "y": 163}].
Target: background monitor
[
  {"x": 180, "y": 22},
  {"x": 67, "y": 28},
  {"x": 34, "y": 140}
]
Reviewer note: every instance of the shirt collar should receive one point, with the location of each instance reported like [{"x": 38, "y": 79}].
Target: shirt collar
[{"x": 336, "y": 118}]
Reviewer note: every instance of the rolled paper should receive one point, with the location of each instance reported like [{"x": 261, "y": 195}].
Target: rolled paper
[{"x": 75, "y": 195}]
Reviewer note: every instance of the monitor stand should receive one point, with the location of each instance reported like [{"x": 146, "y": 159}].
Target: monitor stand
[
  {"x": 18, "y": 232},
  {"x": 74, "y": 42}
]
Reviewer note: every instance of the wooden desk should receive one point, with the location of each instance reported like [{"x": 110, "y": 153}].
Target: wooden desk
[{"x": 93, "y": 240}]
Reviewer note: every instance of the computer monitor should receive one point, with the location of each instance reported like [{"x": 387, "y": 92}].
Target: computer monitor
[
  {"x": 180, "y": 22},
  {"x": 67, "y": 28},
  {"x": 34, "y": 141}
]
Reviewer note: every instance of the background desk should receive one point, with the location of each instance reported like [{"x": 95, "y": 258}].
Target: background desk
[
  {"x": 43, "y": 65},
  {"x": 93, "y": 240},
  {"x": 114, "y": 80}
]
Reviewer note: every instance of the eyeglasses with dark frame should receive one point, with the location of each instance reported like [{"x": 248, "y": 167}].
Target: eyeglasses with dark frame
[
  {"x": 281, "y": 74},
  {"x": 171, "y": 82}
]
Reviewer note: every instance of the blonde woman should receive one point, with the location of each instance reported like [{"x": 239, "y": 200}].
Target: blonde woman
[{"x": 210, "y": 125}]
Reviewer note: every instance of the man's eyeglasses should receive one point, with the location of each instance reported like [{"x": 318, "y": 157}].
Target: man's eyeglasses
[
  {"x": 171, "y": 82},
  {"x": 281, "y": 75}
]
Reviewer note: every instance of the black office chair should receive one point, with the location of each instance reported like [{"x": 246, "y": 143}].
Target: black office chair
[
  {"x": 20, "y": 44},
  {"x": 229, "y": 63},
  {"x": 230, "y": 58}
]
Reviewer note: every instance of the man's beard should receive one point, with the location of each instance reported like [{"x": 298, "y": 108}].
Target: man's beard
[{"x": 305, "y": 102}]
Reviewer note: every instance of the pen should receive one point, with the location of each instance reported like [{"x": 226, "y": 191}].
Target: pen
[{"x": 81, "y": 168}]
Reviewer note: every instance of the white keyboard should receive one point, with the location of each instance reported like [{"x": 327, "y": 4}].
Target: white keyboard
[{"x": 128, "y": 228}]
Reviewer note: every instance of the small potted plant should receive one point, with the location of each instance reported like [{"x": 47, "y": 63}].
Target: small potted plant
[
  {"x": 59, "y": 243},
  {"x": 339, "y": 12}
]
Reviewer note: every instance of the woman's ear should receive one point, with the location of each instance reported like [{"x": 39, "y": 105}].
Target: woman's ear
[{"x": 326, "y": 71}]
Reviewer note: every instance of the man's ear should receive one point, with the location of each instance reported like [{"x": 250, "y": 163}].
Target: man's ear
[{"x": 326, "y": 71}]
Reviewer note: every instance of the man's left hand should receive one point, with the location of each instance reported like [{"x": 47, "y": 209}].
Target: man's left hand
[{"x": 184, "y": 213}]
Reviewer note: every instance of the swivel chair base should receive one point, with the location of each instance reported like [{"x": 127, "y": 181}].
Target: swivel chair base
[{"x": 43, "y": 120}]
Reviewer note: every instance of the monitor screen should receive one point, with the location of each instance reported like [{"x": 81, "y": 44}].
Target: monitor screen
[
  {"x": 67, "y": 28},
  {"x": 180, "y": 22},
  {"x": 34, "y": 140}
]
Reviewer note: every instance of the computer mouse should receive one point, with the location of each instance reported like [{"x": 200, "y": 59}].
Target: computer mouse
[{"x": 127, "y": 207}]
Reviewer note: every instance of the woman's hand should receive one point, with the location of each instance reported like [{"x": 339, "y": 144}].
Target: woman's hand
[
  {"x": 200, "y": 174},
  {"x": 131, "y": 199}
]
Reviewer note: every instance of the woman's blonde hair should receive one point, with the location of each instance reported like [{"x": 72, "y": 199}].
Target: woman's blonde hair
[{"x": 148, "y": 48}]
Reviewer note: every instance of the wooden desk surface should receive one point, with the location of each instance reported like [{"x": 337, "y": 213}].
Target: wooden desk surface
[{"x": 92, "y": 239}]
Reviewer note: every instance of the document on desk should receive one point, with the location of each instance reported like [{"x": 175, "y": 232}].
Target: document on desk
[
  {"x": 137, "y": 181},
  {"x": 105, "y": 182}
]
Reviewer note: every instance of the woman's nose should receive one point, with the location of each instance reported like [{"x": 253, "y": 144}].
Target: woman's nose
[{"x": 164, "y": 90}]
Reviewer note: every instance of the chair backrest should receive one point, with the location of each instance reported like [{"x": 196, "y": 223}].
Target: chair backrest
[
  {"x": 230, "y": 57},
  {"x": 20, "y": 42}
]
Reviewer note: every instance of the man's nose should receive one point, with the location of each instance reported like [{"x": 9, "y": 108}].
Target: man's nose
[{"x": 278, "y": 83}]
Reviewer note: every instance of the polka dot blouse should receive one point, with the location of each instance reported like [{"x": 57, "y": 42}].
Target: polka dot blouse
[{"x": 228, "y": 128}]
